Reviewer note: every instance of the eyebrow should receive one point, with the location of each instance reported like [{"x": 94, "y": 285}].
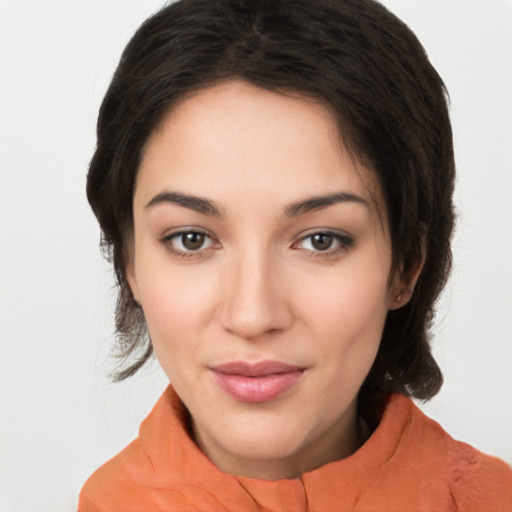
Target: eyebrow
[
  {"x": 198, "y": 204},
  {"x": 319, "y": 202},
  {"x": 207, "y": 207}
]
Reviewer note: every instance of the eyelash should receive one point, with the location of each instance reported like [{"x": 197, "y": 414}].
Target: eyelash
[
  {"x": 343, "y": 242},
  {"x": 184, "y": 253}
]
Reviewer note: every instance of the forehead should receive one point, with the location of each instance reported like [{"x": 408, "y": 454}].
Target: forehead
[{"x": 241, "y": 139}]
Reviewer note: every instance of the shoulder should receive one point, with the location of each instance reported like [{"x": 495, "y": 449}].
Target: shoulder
[
  {"x": 476, "y": 482},
  {"x": 114, "y": 484},
  {"x": 480, "y": 482},
  {"x": 147, "y": 475},
  {"x": 123, "y": 483}
]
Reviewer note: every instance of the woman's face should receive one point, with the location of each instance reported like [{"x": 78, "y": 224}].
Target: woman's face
[{"x": 262, "y": 261}]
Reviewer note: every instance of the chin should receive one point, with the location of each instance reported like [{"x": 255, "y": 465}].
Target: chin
[
  {"x": 262, "y": 436},
  {"x": 264, "y": 446}
]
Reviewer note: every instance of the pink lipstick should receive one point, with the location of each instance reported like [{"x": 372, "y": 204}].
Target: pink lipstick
[{"x": 256, "y": 382}]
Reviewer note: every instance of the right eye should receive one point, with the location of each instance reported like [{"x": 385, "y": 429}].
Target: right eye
[{"x": 187, "y": 242}]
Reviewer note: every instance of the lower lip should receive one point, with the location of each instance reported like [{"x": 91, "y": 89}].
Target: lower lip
[{"x": 257, "y": 389}]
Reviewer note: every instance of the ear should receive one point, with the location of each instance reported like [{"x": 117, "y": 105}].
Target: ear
[
  {"x": 132, "y": 281},
  {"x": 404, "y": 281}
]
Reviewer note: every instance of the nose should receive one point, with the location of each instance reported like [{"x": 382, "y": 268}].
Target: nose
[{"x": 254, "y": 298}]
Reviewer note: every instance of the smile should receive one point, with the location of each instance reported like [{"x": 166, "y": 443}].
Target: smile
[{"x": 256, "y": 383}]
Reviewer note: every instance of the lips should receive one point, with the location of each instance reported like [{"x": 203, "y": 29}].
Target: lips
[{"x": 256, "y": 382}]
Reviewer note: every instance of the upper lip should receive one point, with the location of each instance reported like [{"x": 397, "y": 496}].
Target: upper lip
[{"x": 258, "y": 369}]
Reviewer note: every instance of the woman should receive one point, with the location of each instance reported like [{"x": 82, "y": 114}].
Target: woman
[{"x": 274, "y": 180}]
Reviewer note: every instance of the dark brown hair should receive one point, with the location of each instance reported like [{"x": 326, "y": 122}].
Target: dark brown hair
[{"x": 353, "y": 55}]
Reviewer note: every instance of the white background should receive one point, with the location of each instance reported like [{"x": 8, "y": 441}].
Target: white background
[{"x": 60, "y": 417}]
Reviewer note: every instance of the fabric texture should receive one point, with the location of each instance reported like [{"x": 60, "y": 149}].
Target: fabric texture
[{"x": 408, "y": 464}]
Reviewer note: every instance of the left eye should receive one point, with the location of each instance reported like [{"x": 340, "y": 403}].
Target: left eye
[
  {"x": 189, "y": 241},
  {"x": 325, "y": 242}
]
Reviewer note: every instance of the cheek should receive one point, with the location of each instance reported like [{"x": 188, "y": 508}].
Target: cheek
[
  {"x": 346, "y": 313},
  {"x": 354, "y": 295},
  {"x": 178, "y": 301}
]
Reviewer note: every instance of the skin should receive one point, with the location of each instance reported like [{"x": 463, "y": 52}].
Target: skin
[{"x": 257, "y": 287}]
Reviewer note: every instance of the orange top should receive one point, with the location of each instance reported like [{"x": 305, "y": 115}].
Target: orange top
[{"x": 408, "y": 464}]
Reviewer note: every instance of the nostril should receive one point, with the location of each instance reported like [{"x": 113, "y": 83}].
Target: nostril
[{"x": 253, "y": 319}]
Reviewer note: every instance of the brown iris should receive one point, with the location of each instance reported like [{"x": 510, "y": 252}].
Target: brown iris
[
  {"x": 322, "y": 241},
  {"x": 193, "y": 241}
]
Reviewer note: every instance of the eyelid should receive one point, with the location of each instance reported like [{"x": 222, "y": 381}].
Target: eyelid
[
  {"x": 167, "y": 239},
  {"x": 343, "y": 239},
  {"x": 342, "y": 242}
]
